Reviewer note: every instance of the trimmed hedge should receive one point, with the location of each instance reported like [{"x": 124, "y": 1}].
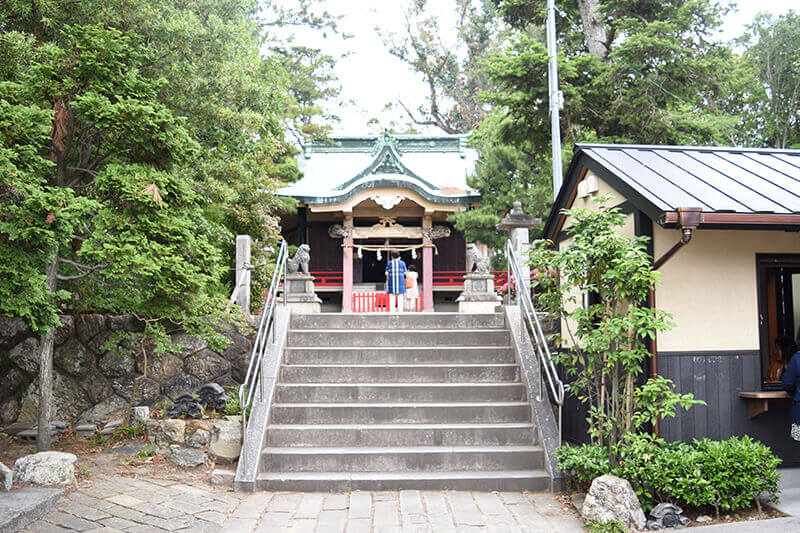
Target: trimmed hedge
[{"x": 726, "y": 475}]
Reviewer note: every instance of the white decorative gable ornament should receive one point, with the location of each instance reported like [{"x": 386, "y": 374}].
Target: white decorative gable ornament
[{"x": 387, "y": 201}]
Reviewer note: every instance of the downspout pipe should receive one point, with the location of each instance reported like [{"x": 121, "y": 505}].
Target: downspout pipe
[{"x": 689, "y": 219}]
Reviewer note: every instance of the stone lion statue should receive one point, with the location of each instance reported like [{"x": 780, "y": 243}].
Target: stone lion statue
[
  {"x": 300, "y": 260},
  {"x": 476, "y": 260}
]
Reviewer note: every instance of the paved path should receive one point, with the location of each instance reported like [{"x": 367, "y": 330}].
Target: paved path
[{"x": 146, "y": 504}]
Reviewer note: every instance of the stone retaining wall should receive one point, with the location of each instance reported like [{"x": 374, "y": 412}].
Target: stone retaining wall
[{"x": 92, "y": 384}]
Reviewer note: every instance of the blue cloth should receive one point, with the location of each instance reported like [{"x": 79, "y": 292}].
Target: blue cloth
[
  {"x": 791, "y": 384},
  {"x": 396, "y": 280}
]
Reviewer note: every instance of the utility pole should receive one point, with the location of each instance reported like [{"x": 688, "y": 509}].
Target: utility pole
[{"x": 555, "y": 97}]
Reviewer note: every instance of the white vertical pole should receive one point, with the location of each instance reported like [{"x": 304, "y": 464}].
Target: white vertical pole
[
  {"x": 242, "y": 272},
  {"x": 555, "y": 100}
]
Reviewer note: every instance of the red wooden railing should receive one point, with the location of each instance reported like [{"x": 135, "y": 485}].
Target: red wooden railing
[
  {"x": 327, "y": 279},
  {"x": 456, "y": 277},
  {"x": 378, "y": 302},
  {"x": 440, "y": 278}
]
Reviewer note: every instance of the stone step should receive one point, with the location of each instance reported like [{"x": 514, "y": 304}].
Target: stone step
[
  {"x": 324, "y": 338},
  {"x": 408, "y": 459},
  {"x": 401, "y": 434},
  {"x": 406, "y": 354},
  {"x": 430, "y": 373},
  {"x": 400, "y": 413},
  {"x": 397, "y": 321},
  {"x": 400, "y": 392},
  {"x": 506, "y": 480}
]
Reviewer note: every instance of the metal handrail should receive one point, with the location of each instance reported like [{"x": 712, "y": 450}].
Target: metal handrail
[
  {"x": 555, "y": 384},
  {"x": 252, "y": 381}
]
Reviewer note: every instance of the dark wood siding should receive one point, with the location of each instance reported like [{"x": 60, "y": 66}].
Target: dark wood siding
[
  {"x": 452, "y": 251},
  {"x": 326, "y": 253}
]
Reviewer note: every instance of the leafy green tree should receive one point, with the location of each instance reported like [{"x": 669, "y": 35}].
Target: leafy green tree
[
  {"x": 136, "y": 138},
  {"x": 606, "y": 339}
]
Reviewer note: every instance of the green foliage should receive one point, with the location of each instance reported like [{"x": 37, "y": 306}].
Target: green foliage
[
  {"x": 606, "y": 336},
  {"x": 232, "y": 407},
  {"x": 725, "y": 475},
  {"x": 612, "y": 526}
]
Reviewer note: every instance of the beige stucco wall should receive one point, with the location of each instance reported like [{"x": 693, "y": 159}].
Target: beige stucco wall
[
  {"x": 588, "y": 202},
  {"x": 709, "y": 287}
]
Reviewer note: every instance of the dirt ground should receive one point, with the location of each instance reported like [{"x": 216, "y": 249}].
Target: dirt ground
[{"x": 119, "y": 456}]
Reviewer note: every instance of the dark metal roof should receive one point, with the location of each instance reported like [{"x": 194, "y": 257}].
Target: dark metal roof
[{"x": 659, "y": 179}]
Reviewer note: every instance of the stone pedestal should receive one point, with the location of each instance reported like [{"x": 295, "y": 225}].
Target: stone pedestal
[
  {"x": 300, "y": 295},
  {"x": 479, "y": 295}
]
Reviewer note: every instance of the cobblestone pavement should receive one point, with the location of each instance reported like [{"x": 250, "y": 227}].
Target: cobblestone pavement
[{"x": 147, "y": 504}]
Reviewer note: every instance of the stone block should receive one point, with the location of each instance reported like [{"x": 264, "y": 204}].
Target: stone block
[
  {"x": 198, "y": 439},
  {"x": 88, "y": 326},
  {"x": 160, "y": 367},
  {"x": 206, "y": 365},
  {"x": 171, "y": 431},
  {"x": 124, "y": 323},
  {"x": 187, "y": 344},
  {"x": 69, "y": 400},
  {"x": 65, "y": 331},
  {"x": 25, "y": 355},
  {"x": 96, "y": 386},
  {"x": 139, "y": 415},
  {"x": 186, "y": 457},
  {"x": 117, "y": 364},
  {"x": 147, "y": 390},
  {"x": 180, "y": 385},
  {"x": 46, "y": 468},
  {"x": 107, "y": 409},
  {"x": 73, "y": 358},
  {"x": 226, "y": 440}
]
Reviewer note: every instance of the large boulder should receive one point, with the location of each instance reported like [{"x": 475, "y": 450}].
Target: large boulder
[
  {"x": 96, "y": 386},
  {"x": 171, "y": 431},
  {"x": 12, "y": 330},
  {"x": 46, "y": 468},
  {"x": 226, "y": 440},
  {"x": 612, "y": 498},
  {"x": 189, "y": 344},
  {"x": 116, "y": 364},
  {"x": 198, "y": 439},
  {"x": 181, "y": 384},
  {"x": 127, "y": 323},
  {"x": 88, "y": 326},
  {"x": 69, "y": 400},
  {"x": 112, "y": 407},
  {"x": 73, "y": 358},
  {"x": 6, "y": 477},
  {"x": 65, "y": 331},
  {"x": 9, "y": 411},
  {"x": 206, "y": 365},
  {"x": 186, "y": 457},
  {"x": 147, "y": 390},
  {"x": 25, "y": 355},
  {"x": 238, "y": 353},
  {"x": 160, "y": 367}
]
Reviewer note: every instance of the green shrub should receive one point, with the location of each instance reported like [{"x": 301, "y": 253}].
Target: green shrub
[
  {"x": 724, "y": 475},
  {"x": 612, "y": 526}
]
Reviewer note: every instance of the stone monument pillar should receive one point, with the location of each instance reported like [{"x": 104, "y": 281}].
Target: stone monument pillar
[
  {"x": 518, "y": 225},
  {"x": 299, "y": 284},
  {"x": 479, "y": 295}
]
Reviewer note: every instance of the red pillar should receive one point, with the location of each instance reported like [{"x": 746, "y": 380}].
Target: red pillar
[{"x": 347, "y": 268}]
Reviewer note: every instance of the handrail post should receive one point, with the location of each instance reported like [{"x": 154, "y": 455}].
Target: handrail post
[{"x": 243, "y": 245}]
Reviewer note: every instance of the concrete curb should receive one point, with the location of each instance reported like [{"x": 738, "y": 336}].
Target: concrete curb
[{"x": 19, "y": 508}]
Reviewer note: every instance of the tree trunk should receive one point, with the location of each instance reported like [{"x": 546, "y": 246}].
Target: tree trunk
[
  {"x": 46, "y": 368},
  {"x": 593, "y": 28}
]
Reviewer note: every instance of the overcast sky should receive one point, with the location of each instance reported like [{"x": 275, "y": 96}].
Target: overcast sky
[{"x": 371, "y": 78}]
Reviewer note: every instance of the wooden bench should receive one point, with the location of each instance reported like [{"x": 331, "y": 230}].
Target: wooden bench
[{"x": 759, "y": 401}]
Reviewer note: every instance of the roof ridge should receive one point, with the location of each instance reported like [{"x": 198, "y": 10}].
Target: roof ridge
[{"x": 673, "y": 147}]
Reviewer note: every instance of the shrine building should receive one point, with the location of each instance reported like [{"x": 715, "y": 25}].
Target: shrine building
[{"x": 362, "y": 197}]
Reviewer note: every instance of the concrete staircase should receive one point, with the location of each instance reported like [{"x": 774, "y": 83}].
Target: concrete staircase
[{"x": 409, "y": 401}]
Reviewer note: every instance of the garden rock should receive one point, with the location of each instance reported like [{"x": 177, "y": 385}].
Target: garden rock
[
  {"x": 109, "y": 408},
  {"x": 612, "y": 498},
  {"x": 161, "y": 367},
  {"x": 124, "y": 323},
  {"x": 181, "y": 384},
  {"x": 11, "y": 328},
  {"x": 667, "y": 515},
  {"x": 96, "y": 386},
  {"x": 88, "y": 326},
  {"x": 206, "y": 365},
  {"x": 25, "y": 355},
  {"x": 9, "y": 411},
  {"x": 189, "y": 344},
  {"x": 186, "y": 457},
  {"x": 703, "y": 519},
  {"x": 46, "y": 468},
  {"x": 199, "y": 439},
  {"x": 117, "y": 364},
  {"x": 139, "y": 415},
  {"x": 65, "y": 331},
  {"x": 147, "y": 390},
  {"x": 226, "y": 440},
  {"x": 170, "y": 431},
  {"x": 6, "y": 476},
  {"x": 73, "y": 358},
  {"x": 69, "y": 400}
]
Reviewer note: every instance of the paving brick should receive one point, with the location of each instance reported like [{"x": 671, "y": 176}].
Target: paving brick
[
  {"x": 125, "y": 500},
  {"x": 239, "y": 525},
  {"x": 359, "y": 525},
  {"x": 332, "y": 520},
  {"x": 144, "y": 529},
  {"x": 305, "y": 525},
  {"x": 212, "y": 516},
  {"x": 161, "y": 511},
  {"x": 465, "y": 511},
  {"x": 335, "y": 502},
  {"x": 310, "y": 506},
  {"x": 273, "y": 520},
  {"x": 285, "y": 502},
  {"x": 89, "y": 501},
  {"x": 119, "y": 523},
  {"x": 436, "y": 511},
  {"x": 124, "y": 512},
  {"x": 360, "y": 505},
  {"x": 41, "y": 526},
  {"x": 104, "y": 530},
  {"x": 411, "y": 511},
  {"x": 82, "y": 511},
  {"x": 68, "y": 521},
  {"x": 253, "y": 506},
  {"x": 386, "y": 513}
]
